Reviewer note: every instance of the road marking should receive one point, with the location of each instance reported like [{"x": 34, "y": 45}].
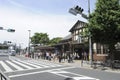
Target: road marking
[
  {"x": 83, "y": 78},
  {"x": 14, "y": 65},
  {"x": 6, "y": 67},
  {"x": 24, "y": 65},
  {"x": 65, "y": 73},
  {"x": 57, "y": 72},
  {"x": 38, "y": 64},
  {"x": 61, "y": 75},
  {"x": 47, "y": 64},
  {"x": 18, "y": 75},
  {"x": 30, "y": 64},
  {"x": 28, "y": 67}
]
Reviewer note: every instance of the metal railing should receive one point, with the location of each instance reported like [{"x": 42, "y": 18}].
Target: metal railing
[
  {"x": 3, "y": 76},
  {"x": 116, "y": 64}
]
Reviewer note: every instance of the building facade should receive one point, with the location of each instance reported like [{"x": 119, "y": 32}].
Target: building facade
[{"x": 78, "y": 43}]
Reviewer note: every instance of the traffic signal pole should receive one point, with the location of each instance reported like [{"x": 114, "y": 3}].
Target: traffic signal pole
[
  {"x": 78, "y": 10},
  {"x": 90, "y": 41},
  {"x": 29, "y": 43}
]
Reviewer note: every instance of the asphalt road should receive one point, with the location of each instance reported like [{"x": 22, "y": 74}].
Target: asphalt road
[
  {"x": 4, "y": 56},
  {"x": 29, "y": 69}
]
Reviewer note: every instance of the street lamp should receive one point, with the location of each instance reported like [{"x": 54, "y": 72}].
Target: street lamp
[
  {"x": 29, "y": 42},
  {"x": 78, "y": 10}
]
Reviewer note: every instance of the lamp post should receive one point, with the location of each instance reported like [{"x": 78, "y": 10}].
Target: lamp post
[
  {"x": 29, "y": 42},
  {"x": 79, "y": 10}
]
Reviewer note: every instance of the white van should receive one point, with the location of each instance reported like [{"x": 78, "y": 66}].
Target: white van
[{"x": 12, "y": 52}]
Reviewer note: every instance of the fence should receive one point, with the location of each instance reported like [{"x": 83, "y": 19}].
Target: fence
[
  {"x": 3, "y": 76},
  {"x": 99, "y": 59}
]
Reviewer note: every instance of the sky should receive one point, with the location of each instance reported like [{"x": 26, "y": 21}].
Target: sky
[{"x": 43, "y": 16}]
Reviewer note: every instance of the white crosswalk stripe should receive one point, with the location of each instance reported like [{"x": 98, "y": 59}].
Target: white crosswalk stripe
[
  {"x": 19, "y": 65},
  {"x": 6, "y": 67},
  {"x": 30, "y": 64},
  {"x": 38, "y": 64},
  {"x": 14, "y": 65},
  {"x": 26, "y": 66},
  {"x": 44, "y": 63}
]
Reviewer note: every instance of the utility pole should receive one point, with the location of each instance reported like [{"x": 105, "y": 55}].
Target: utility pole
[
  {"x": 29, "y": 42},
  {"x": 78, "y": 10},
  {"x": 90, "y": 42}
]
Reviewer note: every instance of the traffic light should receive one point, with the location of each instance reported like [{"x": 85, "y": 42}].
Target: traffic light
[
  {"x": 1, "y": 28},
  {"x": 9, "y": 42},
  {"x": 79, "y": 9},
  {"x": 11, "y": 30}
]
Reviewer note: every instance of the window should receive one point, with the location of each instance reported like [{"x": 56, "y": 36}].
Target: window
[{"x": 101, "y": 49}]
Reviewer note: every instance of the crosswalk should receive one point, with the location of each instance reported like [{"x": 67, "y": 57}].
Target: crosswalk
[
  {"x": 15, "y": 64},
  {"x": 21, "y": 65}
]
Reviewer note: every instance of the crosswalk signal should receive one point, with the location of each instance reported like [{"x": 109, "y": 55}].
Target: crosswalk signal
[{"x": 11, "y": 30}]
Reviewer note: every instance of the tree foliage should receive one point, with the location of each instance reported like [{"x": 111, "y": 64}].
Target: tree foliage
[
  {"x": 43, "y": 39},
  {"x": 104, "y": 23},
  {"x": 55, "y": 40},
  {"x": 40, "y": 38}
]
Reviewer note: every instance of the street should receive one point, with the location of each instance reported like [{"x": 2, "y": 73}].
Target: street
[
  {"x": 40, "y": 40},
  {"x": 21, "y": 68}
]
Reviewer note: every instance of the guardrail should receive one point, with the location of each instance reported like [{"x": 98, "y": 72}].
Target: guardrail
[
  {"x": 116, "y": 64},
  {"x": 3, "y": 76}
]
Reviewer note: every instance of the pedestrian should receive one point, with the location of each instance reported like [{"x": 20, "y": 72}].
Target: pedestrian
[
  {"x": 47, "y": 55},
  {"x": 60, "y": 58},
  {"x": 39, "y": 55},
  {"x": 54, "y": 56}
]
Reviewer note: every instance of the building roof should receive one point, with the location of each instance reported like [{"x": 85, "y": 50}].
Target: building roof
[
  {"x": 44, "y": 47},
  {"x": 67, "y": 37},
  {"x": 76, "y": 24}
]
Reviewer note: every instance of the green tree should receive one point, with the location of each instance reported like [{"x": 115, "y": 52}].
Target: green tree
[
  {"x": 55, "y": 40},
  {"x": 104, "y": 23},
  {"x": 40, "y": 38}
]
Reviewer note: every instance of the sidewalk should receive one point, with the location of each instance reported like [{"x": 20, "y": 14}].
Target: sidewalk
[
  {"x": 79, "y": 64},
  {"x": 86, "y": 65}
]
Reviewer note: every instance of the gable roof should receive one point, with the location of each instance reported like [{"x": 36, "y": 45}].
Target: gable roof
[
  {"x": 76, "y": 24},
  {"x": 67, "y": 37}
]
